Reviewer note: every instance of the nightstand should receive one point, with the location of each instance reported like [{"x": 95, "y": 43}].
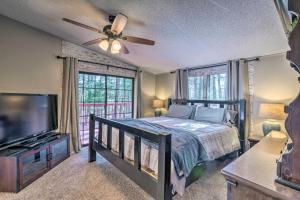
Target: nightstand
[{"x": 254, "y": 139}]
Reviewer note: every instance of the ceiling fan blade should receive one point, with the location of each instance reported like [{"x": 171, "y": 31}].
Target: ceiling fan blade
[
  {"x": 119, "y": 24},
  {"x": 82, "y": 25},
  {"x": 138, "y": 40},
  {"x": 98, "y": 40},
  {"x": 124, "y": 49}
]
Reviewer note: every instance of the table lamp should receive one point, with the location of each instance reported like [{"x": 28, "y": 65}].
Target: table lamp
[
  {"x": 272, "y": 112},
  {"x": 158, "y": 104}
]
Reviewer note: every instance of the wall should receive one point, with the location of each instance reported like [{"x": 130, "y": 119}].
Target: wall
[
  {"x": 165, "y": 87},
  {"x": 273, "y": 81},
  {"x": 148, "y": 93},
  {"x": 27, "y": 60}
]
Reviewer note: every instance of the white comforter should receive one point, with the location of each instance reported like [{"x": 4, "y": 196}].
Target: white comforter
[{"x": 217, "y": 140}]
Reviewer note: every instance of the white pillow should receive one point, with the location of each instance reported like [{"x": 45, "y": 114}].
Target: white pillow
[
  {"x": 213, "y": 115},
  {"x": 180, "y": 111}
]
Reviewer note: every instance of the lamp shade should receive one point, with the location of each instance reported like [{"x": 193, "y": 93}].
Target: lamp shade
[
  {"x": 272, "y": 111},
  {"x": 104, "y": 44},
  {"x": 115, "y": 45},
  {"x": 158, "y": 103}
]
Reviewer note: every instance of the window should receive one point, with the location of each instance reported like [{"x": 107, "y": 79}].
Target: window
[
  {"x": 217, "y": 87},
  {"x": 196, "y": 87},
  {"x": 105, "y": 96},
  {"x": 208, "y": 83}
]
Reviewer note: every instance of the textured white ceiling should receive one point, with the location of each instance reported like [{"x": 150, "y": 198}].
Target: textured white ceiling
[{"x": 188, "y": 33}]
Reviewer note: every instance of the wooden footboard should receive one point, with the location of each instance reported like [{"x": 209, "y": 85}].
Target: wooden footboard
[{"x": 159, "y": 188}]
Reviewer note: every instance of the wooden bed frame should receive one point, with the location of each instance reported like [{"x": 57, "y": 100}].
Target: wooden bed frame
[{"x": 161, "y": 187}]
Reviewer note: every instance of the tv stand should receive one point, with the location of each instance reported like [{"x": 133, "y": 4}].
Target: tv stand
[
  {"x": 18, "y": 147},
  {"x": 23, "y": 163}
]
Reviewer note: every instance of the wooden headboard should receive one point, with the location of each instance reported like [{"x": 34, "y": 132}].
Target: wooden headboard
[{"x": 239, "y": 106}]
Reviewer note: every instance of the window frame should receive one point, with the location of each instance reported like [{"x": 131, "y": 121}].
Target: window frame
[{"x": 106, "y": 94}]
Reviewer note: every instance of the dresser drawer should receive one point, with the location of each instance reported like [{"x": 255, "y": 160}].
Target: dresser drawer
[{"x": 237, "y": 191}]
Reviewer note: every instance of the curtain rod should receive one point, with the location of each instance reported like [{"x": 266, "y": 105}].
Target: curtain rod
[
  {"x": 98, "y": 63},
  {"x": 216, "y": 65},
  {"x": 203, "y": 67},
  {"x": 251, "y": 59}
]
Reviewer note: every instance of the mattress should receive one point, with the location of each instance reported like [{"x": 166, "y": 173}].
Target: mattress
[{"x": 217, "y": 140}]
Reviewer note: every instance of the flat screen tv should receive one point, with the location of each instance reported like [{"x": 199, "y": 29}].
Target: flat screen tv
[{"x": 26, "y": 115}]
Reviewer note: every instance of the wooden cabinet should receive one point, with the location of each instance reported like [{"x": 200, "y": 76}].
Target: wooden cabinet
[
  {"x": 240, "y": 191},
  {"x": 21, "y": 166},
  {"x": 252, "y": 176},
  {"x": 58, "y": 152},
  {"x": 32, "y": 165}
]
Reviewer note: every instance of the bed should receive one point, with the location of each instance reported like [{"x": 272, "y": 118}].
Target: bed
[{"x": 142, "y": 150}]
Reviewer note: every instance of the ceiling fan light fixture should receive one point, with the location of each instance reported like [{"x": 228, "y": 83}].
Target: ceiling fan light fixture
[
  {"x": 116, "y": 45},
  {"x": 119, "y": 24},
  {"x": 114, "y": 51},
  {"x": 104, "y": 44}
]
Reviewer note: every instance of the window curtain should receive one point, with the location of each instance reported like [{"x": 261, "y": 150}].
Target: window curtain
[
  {"x": 181, "y": 85},
  {"x": 69, "y": 122},
  {"x": 232, "y": 81},
  {"x": 238, "y": 88},
  {"x": 245, "y": 94},
  {"x": 138, "y": 94}
]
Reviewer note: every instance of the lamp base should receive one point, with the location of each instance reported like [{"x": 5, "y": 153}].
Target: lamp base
[
  {"x": 269, "y": 126},
  {"x": 157, "y": 113}
]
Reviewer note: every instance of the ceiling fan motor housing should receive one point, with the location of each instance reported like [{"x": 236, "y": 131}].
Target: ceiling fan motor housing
[
  {"x": 109, "y": 33},
  {"x": 111, "y": 18}
]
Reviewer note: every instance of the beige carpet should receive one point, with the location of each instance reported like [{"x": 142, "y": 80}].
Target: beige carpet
[{"x": 76, "y": 179}]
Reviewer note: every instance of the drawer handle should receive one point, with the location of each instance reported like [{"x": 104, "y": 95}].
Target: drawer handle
[{"x": 232, "y": 183}]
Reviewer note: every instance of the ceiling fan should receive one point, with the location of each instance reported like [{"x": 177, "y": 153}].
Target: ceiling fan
[{"x": 113, "y": 35}]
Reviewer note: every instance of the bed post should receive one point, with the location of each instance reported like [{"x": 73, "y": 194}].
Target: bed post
[
  {"x": 169, "y": 102},
  {"x": 164, "y": 189},
  {"x": 92, "y": 152},
  {"x": 242, "y": 125}
]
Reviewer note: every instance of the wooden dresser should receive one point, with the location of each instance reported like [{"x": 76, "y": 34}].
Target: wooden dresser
[{"x": 252, "y": 175}]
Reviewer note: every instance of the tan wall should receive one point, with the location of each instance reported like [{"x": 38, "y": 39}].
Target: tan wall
[
  {"x": 274, "y": 81},
  {"x": 148, "y": 93},
  {"x": 165, "y": 87},
  {"x": 27, "y": 60}
]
